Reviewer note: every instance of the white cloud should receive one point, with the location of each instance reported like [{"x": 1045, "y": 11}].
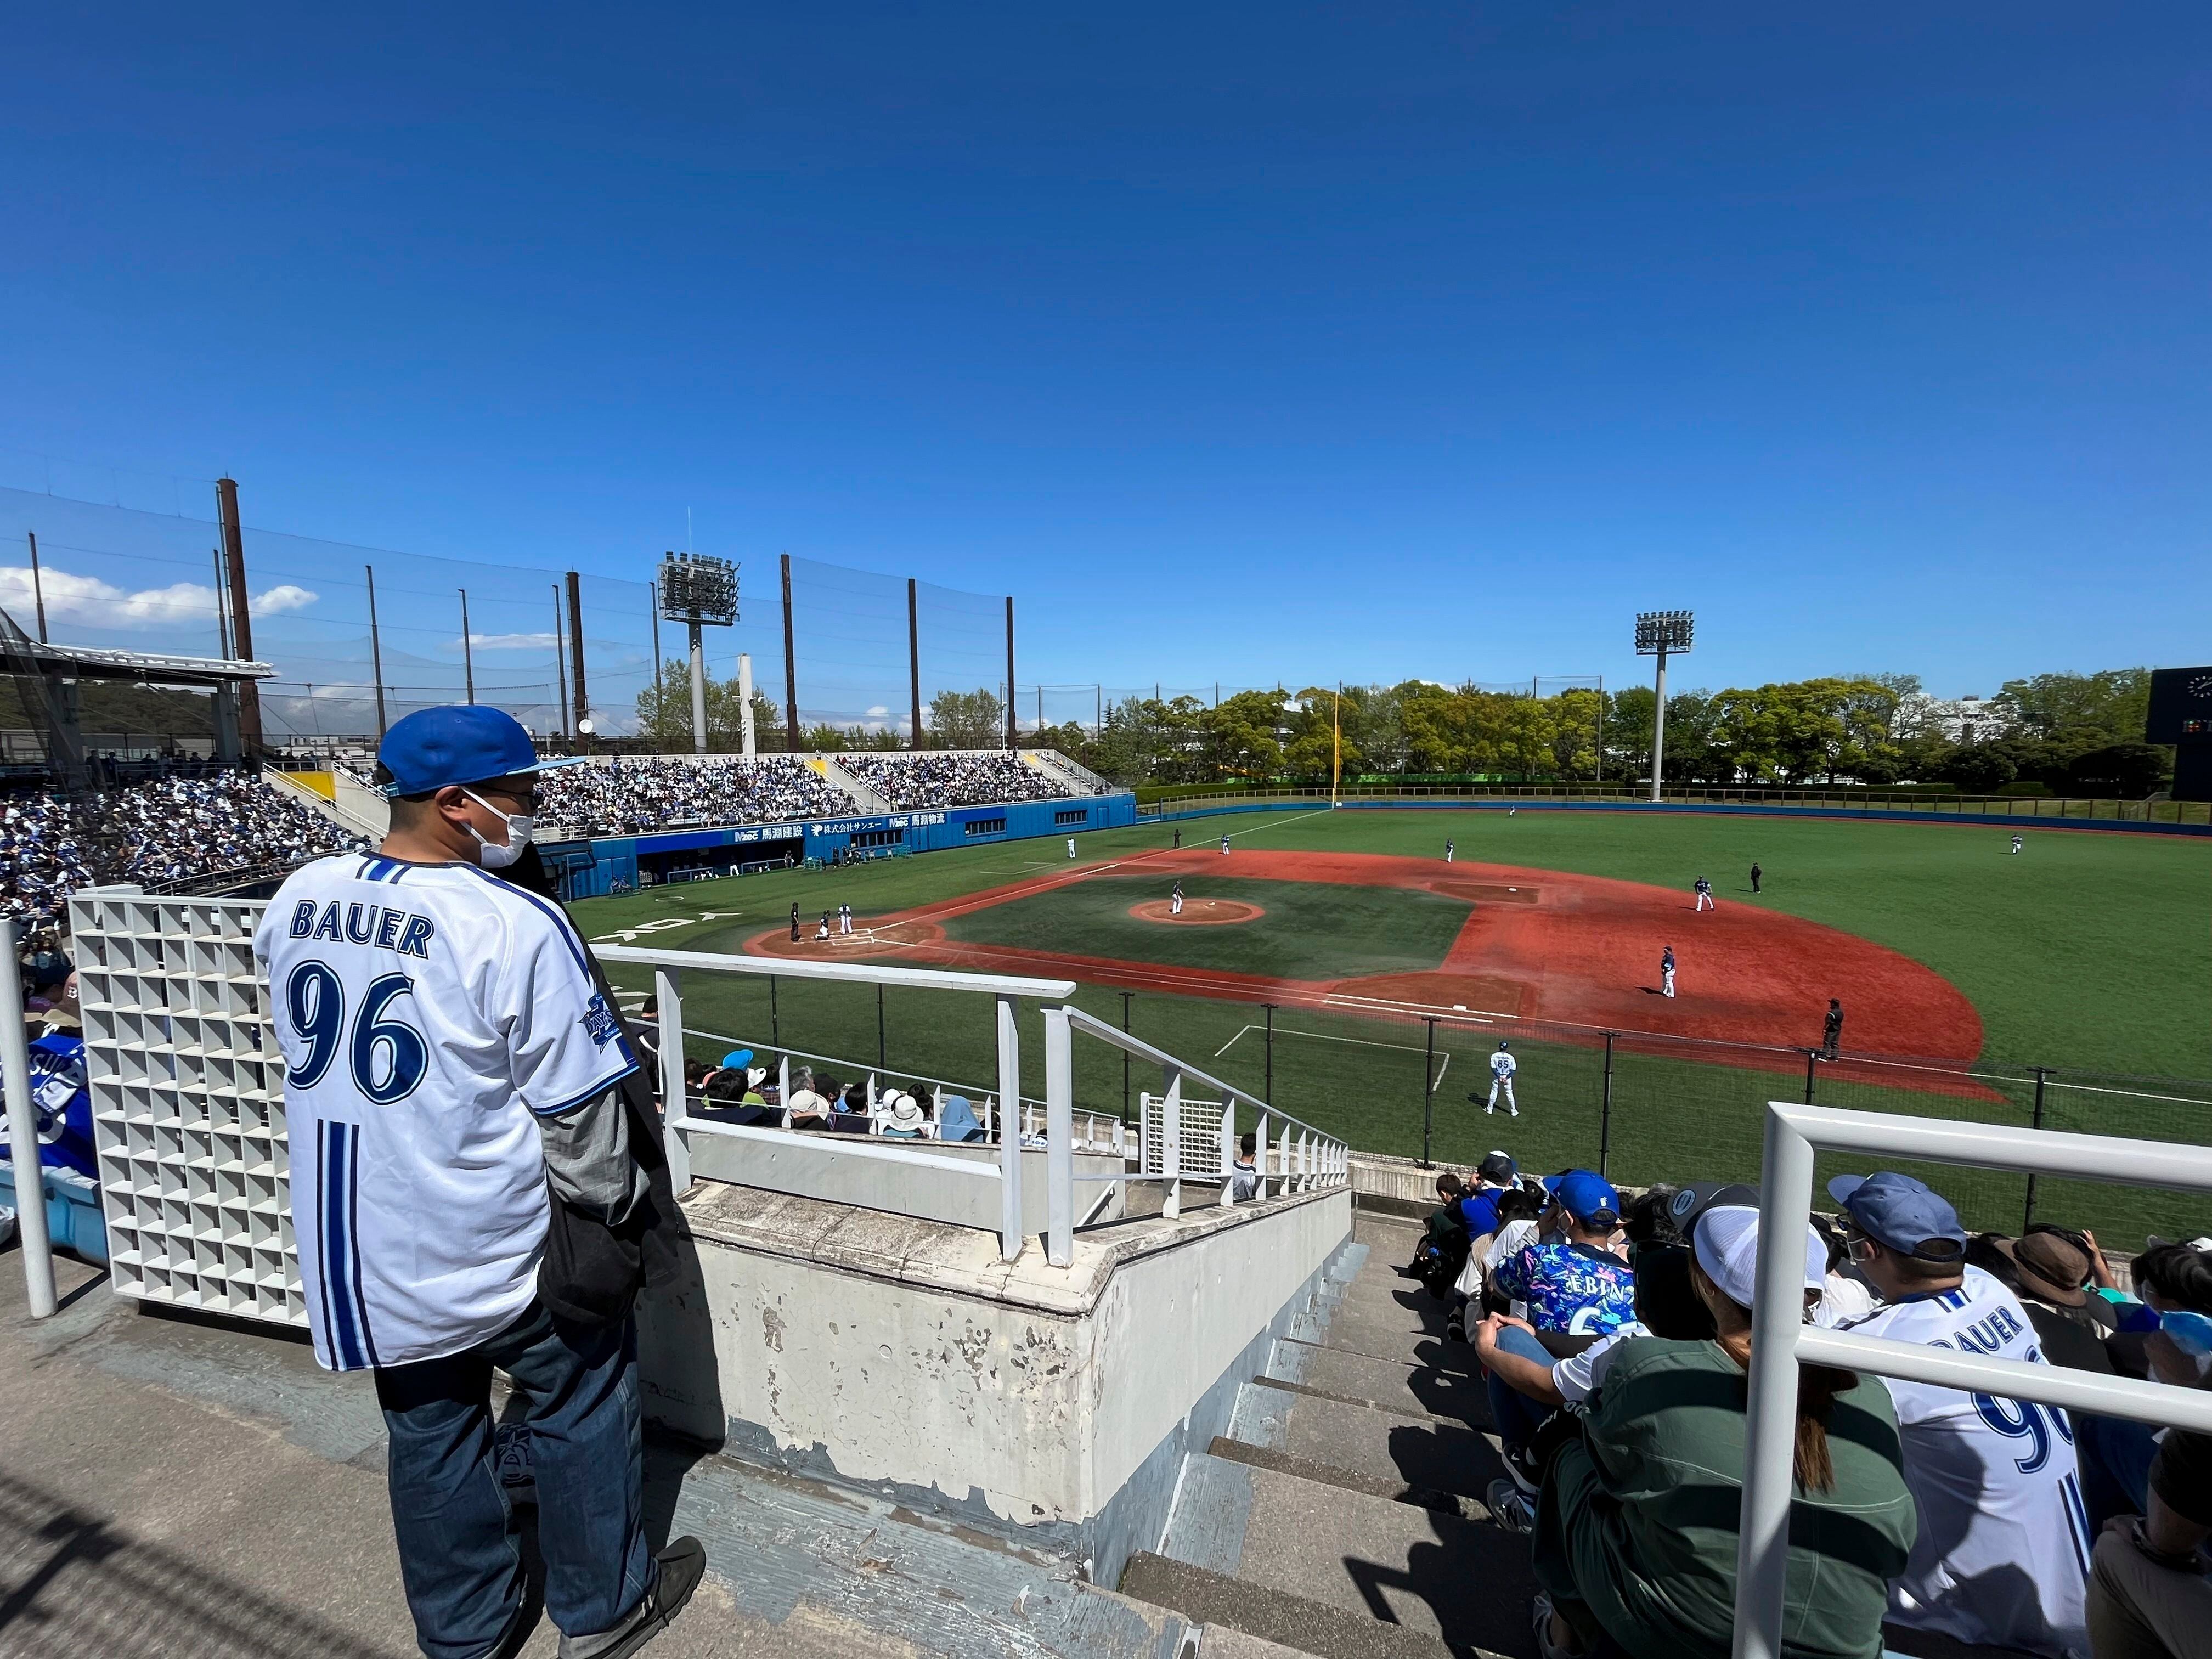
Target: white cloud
[
  {"x": 877, "y": 712},
  {"x": 511, "y": 641},
  {"x": 70, "y": 597}
]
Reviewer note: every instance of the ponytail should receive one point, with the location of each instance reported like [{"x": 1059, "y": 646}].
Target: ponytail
[{"x": 1812, "y": 1466}]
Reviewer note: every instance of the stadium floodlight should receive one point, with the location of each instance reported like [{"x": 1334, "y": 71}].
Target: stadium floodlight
[
  {"x": 699, "y": 591},
  {"x": 1658, "y": 633}
]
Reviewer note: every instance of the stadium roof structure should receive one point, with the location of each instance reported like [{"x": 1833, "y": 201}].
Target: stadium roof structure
[{"x": 145, "y": 667}]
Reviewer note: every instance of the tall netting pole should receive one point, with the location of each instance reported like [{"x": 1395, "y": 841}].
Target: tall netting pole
[
  {"x": 698, "y": 690},
  {"x": 914, "y": 658},
  {"x": 1009, "y": 671},
  {"x": 790, "y": 669}
]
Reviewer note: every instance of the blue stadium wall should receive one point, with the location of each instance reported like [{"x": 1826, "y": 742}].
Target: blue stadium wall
[{"x": 591, "y": 869}]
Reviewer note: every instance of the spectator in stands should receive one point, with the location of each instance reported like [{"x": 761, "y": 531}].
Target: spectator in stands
[
  {"x": 1442, "y": 1250},
  {"x": 957, "y": 1119},
  {"x": 1636, "y": 1537},
  {"x": 905, "y": 780},
  {"x": 807, "y": 1109},
  {"x": 904, "y": 1119},
  {"x": 628, "y": 796},
  {"x": 1244, "y": 1169},
  {"x": 2004, "y": 1537},
  {"x": 165, "y": 834},
  {"x": 1573, "y": 1283},
  {"x": 2175, "y": 1282}
]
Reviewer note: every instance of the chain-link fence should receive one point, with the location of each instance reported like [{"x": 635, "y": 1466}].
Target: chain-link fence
[{"x": 1643, "y": 1107}]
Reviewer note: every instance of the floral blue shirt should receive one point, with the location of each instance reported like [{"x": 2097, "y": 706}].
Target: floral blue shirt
[{"x": 1573, "y": 1288}]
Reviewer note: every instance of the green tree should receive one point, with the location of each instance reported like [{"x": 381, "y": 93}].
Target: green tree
[
  {"x": 664, "y": 714},
  {"x": 1242, "y": 736},
  {"x": 966, "y": 720}
]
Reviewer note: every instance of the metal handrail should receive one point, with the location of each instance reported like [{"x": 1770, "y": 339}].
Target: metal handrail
[
  {"x": 1115, "y": 1036},
  {"x": 1780, "y": 1341},
  {"x": 851, "y": 973}
]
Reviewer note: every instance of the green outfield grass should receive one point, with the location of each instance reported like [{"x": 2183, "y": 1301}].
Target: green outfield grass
[
  {"x": 1310, "y": 930},
  {"x": 2089, "y": 950}
]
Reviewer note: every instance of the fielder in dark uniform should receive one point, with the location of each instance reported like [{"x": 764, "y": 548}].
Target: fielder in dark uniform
[
  {"x": 1832, "y": 1029},
  {"x": 794, "y": 922},
  {"x": 1756, "y": 873}
]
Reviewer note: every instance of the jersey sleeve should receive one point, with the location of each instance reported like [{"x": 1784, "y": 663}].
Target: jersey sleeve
[
  {"x": 1512, "y": 1274},
  {"x": 564, "y": 1044}
]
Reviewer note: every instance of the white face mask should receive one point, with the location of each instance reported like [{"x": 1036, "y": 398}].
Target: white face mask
[{"x": 495, "y": 855}]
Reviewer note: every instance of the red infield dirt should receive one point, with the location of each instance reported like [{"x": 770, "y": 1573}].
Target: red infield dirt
[
  {"x": 1538, "y": 945},
  {"x": 1198, "y": 913}
]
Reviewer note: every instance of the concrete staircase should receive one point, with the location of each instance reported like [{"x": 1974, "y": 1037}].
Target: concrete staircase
[
  {"x": 1343, "y": 1515},
  {"x": 1069, "y": 771}
]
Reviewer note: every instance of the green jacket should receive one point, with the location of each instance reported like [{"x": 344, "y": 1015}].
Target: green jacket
[{"x": 1638, "y": 1519}]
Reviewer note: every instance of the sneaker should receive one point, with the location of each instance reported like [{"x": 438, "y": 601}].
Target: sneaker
[
  {"x": 1488, "y": 1110},
  {"x": 1540, "y": 1612},
  {"x": 1511, "y": 1510},
  {"x": 682, "y": 1566}
]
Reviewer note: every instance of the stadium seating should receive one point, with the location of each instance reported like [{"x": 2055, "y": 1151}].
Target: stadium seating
[
  {"x": 911, "y": 781},
  {"x": 634, "y": 797},
  {"x": 159, "y": 834}
]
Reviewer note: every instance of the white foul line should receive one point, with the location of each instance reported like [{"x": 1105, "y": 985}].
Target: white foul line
[{"x": 1324, "y": 1036}]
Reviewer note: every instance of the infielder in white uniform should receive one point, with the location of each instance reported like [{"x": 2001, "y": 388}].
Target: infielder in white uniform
[
  {"x": 2002, "y": 1558},
  {"x": 1501, "y": 1067},
  {"x": 1705, "y": 891},
  {"x": 2017, "y": 845},
  {"x": 1667, "y": 972},
  {"x": 449, "y": 1057},
  {"x": 1449, "y": 850},
  {"x": 1224, "y": 844},
  {"x": 844, "y": 919}
]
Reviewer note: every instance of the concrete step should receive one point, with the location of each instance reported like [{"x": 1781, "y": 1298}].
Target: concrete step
[
  {"x": 1447, "y": 1390},
  {"x": 1392, "y": 1330},
  {"x": 1417, "y": 1452},
  {"x": 1453, "y": 1580},
  {"x": 1397, "y": 1491},
  {"x": 1223, "y": 1604}
]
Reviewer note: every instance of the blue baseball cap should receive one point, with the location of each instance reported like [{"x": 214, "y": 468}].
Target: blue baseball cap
[
  {"x": 1588, "y": 1198},
  {"x": 459, "y": 743},
  {"x": 737, "y": 1058},
  {"x": 1902, "y": 1215}
]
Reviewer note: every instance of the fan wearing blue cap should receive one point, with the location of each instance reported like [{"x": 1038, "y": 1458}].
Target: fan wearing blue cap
[
  {"x": 2004, "y": 1533},
  {"x": 454, "y": 1077}
]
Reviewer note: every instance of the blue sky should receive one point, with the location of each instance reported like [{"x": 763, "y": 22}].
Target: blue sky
[{"x": 1237, "y": 343}]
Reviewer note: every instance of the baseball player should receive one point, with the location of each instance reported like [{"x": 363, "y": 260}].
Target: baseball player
[
  {"x": 1177, "y": 844},
  {"x": 1705, "y": 891},
  {"x": 449, "y": 1059},
  {"x": 794, "y": 922},
  {"x": 2017, "y": 845},
  {"x": 1667, "y": 972},
  {"x": 1071, "y": 847},
  {"x": 1174, "y": 900},
  {"x": 1448, "y": 852},
  {"x": 1756, "y": 873},
  {"x": 823, "y": 931},
  {"x": 844, "y": 919},
  {"x": 1501, "y": 1067},
  {"x": 1225, "y": 845},
  {"x": 1831, "y": 1029}
]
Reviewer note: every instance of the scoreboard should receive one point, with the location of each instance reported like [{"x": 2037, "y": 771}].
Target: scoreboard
[{"x": 2181, "y": 714}]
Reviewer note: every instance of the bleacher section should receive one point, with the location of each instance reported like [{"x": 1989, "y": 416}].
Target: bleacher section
[{"x": 914, "y": 781}]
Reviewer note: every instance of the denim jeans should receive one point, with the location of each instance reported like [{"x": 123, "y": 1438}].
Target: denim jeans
[
  {"x": 1515, "y": 1415},
  {"x": 457, "y": 1536},
  {"x": 2115, "y": 1457}
]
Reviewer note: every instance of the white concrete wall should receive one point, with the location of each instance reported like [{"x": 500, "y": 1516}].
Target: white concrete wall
[
  {"x": 897, "y": 1353},
  {"x": 826, "y": 1166}
]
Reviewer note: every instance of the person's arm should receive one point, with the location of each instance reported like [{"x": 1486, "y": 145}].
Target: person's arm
[
  {"x": 587, "y": 1158},
  {"x": 1517, "y": 1371},
  {"x": 2100, "y": 1271}
]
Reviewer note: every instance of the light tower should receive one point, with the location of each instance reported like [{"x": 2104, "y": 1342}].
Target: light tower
[
  {"x": 700, "y": 592},
  {"x": 1658, "y": 633}
]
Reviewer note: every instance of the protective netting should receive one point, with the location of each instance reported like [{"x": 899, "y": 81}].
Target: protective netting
[{"x": 143, "y": 576}]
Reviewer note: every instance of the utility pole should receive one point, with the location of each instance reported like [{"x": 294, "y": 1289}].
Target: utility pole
[
  {"x": 1010, "y": 672},
  {"x": 39, "y": 591},
  {"x": 468, "y": 649},
  {"x": 376, "y": 654},
  {"x": 241, "y": 627},
  {"x": 576, "y": 650},
  {"x": 914, "y": 660},
  {"x": 790, "y": 669},
  {"x": 560, "y": 667}
]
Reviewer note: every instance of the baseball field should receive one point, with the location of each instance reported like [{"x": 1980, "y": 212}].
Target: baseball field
[{"x": 1333, "y": 962}]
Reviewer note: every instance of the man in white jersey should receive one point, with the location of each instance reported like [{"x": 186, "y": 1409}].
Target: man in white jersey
[
  {"x": 2002, "y": 1557},
  {"x": 1501, "y": 1067},
  {"x": 449, "y": 1057}
]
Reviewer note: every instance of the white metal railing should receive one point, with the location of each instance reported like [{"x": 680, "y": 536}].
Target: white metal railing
[
  {"x": 1780, "y": 1341},
  {"x": 1299, "y": 1158},
  {"x": 678, "y": 1123}
]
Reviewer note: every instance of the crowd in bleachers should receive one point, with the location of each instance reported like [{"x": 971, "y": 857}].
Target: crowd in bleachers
[
  {"x": 175, "y": 830},
  {"x": 1615, "y": 1338},
  {"x": 627, "y": 796},
  {"x": 909, "y": 781}
]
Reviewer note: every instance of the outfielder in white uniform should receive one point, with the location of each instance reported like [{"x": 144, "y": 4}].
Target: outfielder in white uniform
[
  {"x": 449, "y": 1057},
  {"x": 1501, "y": 1067},
  {"x": 2002, "y": 1558},
  {"x": 1071, "y": 847}
]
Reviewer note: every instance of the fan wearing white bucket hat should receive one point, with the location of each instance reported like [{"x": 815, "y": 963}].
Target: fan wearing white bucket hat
[
  {"x": 904, "y": 1120},
  {"x": 1626, "y": 1546}
]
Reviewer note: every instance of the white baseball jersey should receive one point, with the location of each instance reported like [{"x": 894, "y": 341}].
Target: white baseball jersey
[
  {"x": 1503, "y": 1065},
  {"x": 426, "y": 1011},
  {"x": 2002, "y": 1558}
]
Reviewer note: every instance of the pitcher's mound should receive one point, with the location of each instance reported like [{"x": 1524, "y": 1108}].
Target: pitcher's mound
[{"x": 1197, "y": 913}]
